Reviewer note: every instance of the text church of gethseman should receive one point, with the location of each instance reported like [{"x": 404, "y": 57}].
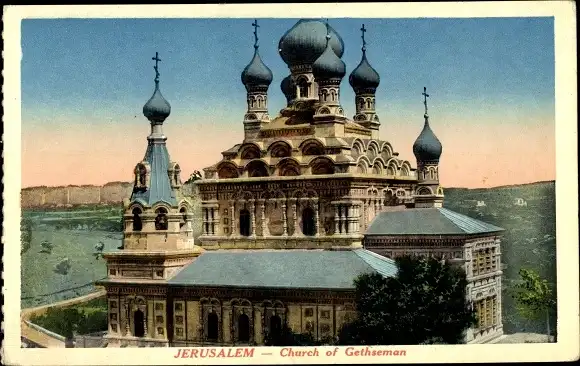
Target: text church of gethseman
[{"x": 309, "y": 200}]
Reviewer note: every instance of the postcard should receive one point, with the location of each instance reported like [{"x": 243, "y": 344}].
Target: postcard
[{"x": 281, "y": 183}]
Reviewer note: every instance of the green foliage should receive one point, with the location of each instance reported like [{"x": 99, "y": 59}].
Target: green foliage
[
  {"x": 25, "y": 234},
  {"x": 534, "y": 297},
  {"x": 81, "y": 319},
  {"x": 425, "y": 304},
  {"x": 196, "y": 175}
]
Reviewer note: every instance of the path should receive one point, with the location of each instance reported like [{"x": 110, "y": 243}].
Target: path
[{"x": 43, "y": 339}]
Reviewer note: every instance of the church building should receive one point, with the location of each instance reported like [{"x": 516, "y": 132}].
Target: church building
[{"x": 309, "y": 199}]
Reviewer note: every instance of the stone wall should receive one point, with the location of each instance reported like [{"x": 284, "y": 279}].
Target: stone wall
[{"x": 110, "y": 193}]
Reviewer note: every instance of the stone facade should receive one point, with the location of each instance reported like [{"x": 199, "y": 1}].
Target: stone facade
[{"x": 159, "y": 316}]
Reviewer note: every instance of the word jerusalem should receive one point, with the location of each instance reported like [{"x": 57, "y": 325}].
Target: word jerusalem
[{"x": 214, "y": 352}]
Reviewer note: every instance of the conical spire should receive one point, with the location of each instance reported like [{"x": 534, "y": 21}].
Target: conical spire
[
  {"x": 427, "y": 148},
  {"x": 157, "y": 109},
  {"x": 256, "y": 73}
]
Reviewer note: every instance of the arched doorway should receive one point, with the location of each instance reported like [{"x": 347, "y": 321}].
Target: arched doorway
[
  {"x": 245, "y": 222},
  {"x": 275, "y": 325},
  {"x": 139, "y": 323},
  {"x": 243, "y": 328},
  {"x": 308, "y": 224},
  {"x": 212, "y": 327}
]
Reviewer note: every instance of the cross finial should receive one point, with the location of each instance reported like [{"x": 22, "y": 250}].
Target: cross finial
[
  {"x": 156, "y": 59},
  {"x": 425, "y": 95},
  {"x": 364, "y": 43},
  {"x": 256, "y": 26},
  {"x": 327, "y": 31}
]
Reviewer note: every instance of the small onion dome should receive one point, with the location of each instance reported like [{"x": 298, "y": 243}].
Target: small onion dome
[
  {"x": 257, "y": 73},
  {"x": 328, "y": 65},
  {"x": 157, "y": 109},
  {"x": 288, "y": 87},
  {"x": 306, "y": 41},
  {"x": 427, "y": 147},
  {"x": 364, "y": 76}
]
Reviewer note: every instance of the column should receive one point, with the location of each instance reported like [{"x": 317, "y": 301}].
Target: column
[
  {"x": 316, "y": 223},
  {"x": 253, "y": 217},
  {"x": 294, "y": 216},
  {"x": 345, "y": 220},
  {"x": 265, "y": 231},
  {"x": 212, "y": 220},
  {"x": 232, "y": 217},
  {"x": 258, "y": 338},
  {"x": 285, "y": 217},
  {"x": 145, "y": 319},
  {"x": 204, "y": 220},
  {"x": 217, "y": 219},
  {"x": 336, "y": 219},
  {"x": 127, "y": 316}
]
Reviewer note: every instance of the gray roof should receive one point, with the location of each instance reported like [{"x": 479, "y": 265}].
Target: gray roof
[
  {"x": 304, "y": 269},
  {"x": 159, "y": 189},
  {"x": 427, "y": 221}
]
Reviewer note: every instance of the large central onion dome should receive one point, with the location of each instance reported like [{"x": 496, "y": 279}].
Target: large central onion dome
[
  {"x": 157, "y": 109},
  {"x": 364, "y": 76},
  {"x": 427, "y": 147},
  {"x": 257, "y": 73},
  {"x": 306, "y": 41}
]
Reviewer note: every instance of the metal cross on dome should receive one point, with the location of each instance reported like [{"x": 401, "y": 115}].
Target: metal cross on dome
[
  {"x": 425, "y": 99},
  {"x": 156, "y": 59},
  {"x": 256, "y": 26},
  {"x": 363, "y": 30}
]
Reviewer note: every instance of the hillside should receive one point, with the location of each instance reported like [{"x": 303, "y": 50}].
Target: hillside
[{"x": 74, "y": 230}]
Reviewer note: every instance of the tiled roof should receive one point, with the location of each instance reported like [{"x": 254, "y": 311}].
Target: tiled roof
[
  {"x": 427, "y": 221},
  {"x": 159, "y": 189},
  {"x": 306, "y": 269}
]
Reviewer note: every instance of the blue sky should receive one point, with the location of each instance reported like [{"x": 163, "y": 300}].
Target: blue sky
[
  {"x": 105, "y": 64},
  {"x": 84, "y": 83}
]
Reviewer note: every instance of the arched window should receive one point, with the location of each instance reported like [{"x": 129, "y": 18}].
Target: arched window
[
  {"x": 137, "y": 223},
  {"x": 368, "y": 103},
  {"x": 139, "y": 323},
  {"x": 257, "y": 168},
  {"x": 308, "y": 224},
  {"x": 227, "y": 171},
  {"x": 275, "y": 325},
  {"x": 212, "y": 327},
  {"x": 243, "y": 328},
  {"x": 361, "y": 103},
  {"x": 176, "y": 174},
  {"x": 183, "y": 213},
  {"x": 245, "y": 222},
  {"x": 161, "y": 219},
  {"x": 432, "y": 173},
  {"x": 313, "y": 148},
  {"x": 333, "y": 95},
  {"x": 303, "y": 88}
]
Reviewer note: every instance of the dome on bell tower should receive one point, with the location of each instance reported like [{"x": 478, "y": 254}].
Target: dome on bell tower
[
  {"x": 427, "y": 147},
  {"x": 328, "y": 65},
  {"x": 364, "y": 76},
  {"x": 157, "y": 109},
  {"x": 257, "y": 73},
  {"x": 306, "y": 41}
]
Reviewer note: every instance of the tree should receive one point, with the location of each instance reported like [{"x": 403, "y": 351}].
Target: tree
[
  {"x": 534, "y": 297},
  {"x": 196, "y": 175},
  {"x": 25, "y": 234},
  {"x": 425, "y": 304}
]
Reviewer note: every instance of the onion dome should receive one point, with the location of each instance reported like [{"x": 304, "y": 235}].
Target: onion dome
[
  {"x": 157, "y": 109},
  {"x": 288, "y": 87},
  {"x": 257, "y": 73},
  {"x": 427, "y": 147},
  {"x": 364, "y": 76},
  {"x": 328, "y": 66},
  {"x": 306, "y": 41}
]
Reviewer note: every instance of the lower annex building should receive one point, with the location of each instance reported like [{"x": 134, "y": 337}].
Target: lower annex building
[{"x": 309, "y": 200}]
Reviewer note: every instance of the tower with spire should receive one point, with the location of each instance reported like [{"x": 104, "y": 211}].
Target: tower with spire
[
  {"x": 157, "y": 216},
  {"x": 256, "y": 77},
  {"x": 427, "y": 150},
  {"x": 365, "y": 81}
]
